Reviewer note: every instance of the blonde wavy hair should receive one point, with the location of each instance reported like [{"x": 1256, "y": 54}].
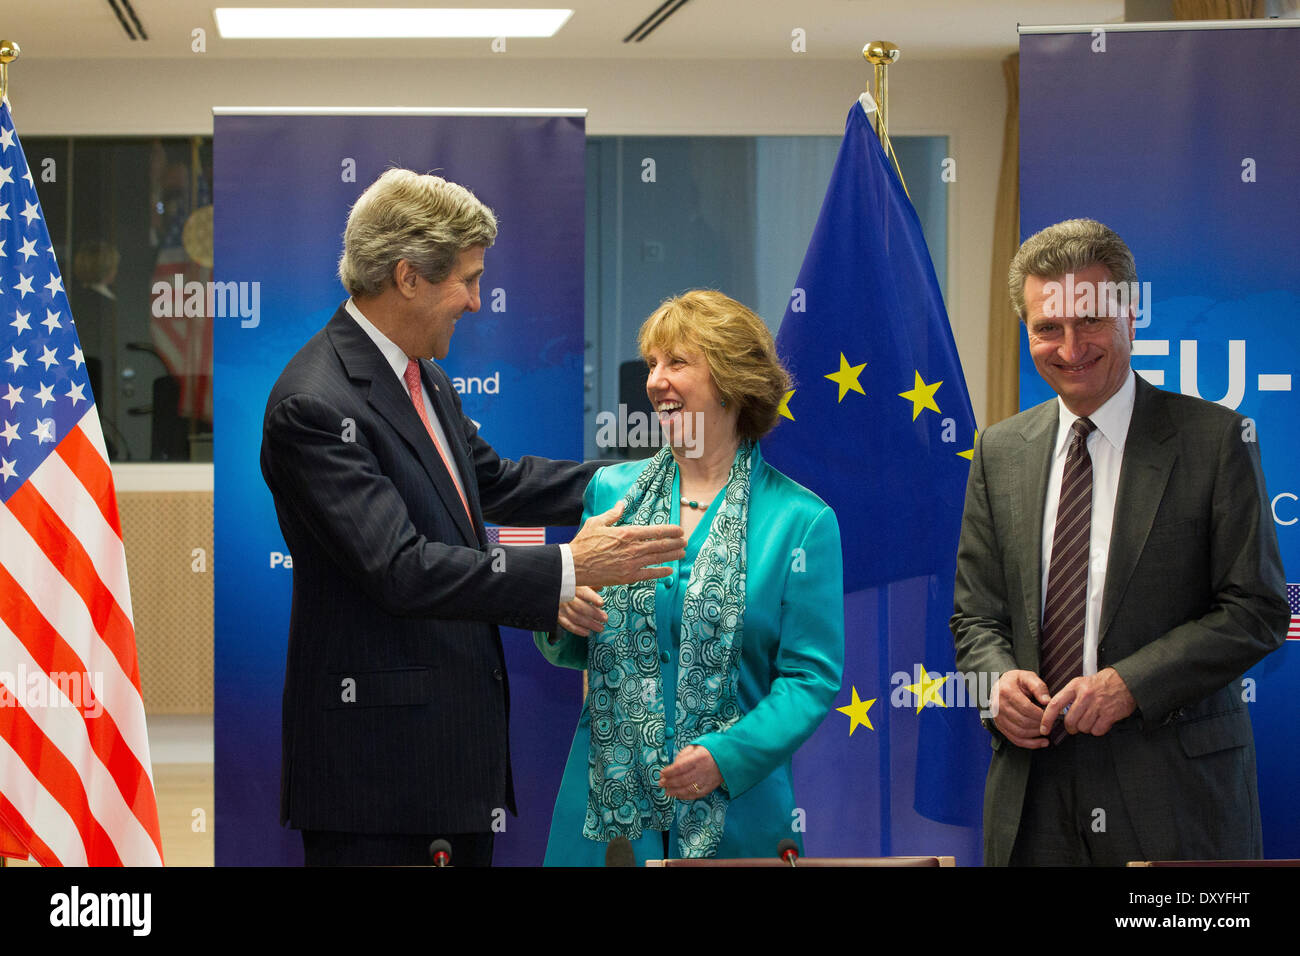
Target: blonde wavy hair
[{"x": 737, "y": 346}]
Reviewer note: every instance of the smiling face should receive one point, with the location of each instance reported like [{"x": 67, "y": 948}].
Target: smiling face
[
  {"x": 434, "y": 307},
  {"x": 1079, "y": 349},
  {"x": 679, "y": 383}
]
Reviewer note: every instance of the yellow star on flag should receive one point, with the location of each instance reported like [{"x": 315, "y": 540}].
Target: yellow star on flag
[
  {"x": 847, "y": 377},
  {"x": 969, "y": 453},
  {"x": 784, "y": 407},
  {"x": 926, "y": 690},
  {"x": 857, "y": 712},
  {"x": 921, "y": 396}
]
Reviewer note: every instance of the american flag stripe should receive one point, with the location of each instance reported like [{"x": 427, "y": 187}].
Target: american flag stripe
[
  {"x": 89, "y": 782},
  {"x": 1293, "y": 599},
  {"x": 50, "y": 654},
  {"x": 52, "y": 600},
  {"x": 184, "y": 342},
  {"x": 91, "y": 467},
  {"x": 22, "y": 836},
  {"x": 66, "y": 554},
  {"x": 16, "y": 778},
  {"x": 56, "y": 586},
  {"x": 79, "y": 532},
  {"x": 83, "y": 526},
  {"x": 92, "y": 792},
  {"x": 42, "y": 755}
]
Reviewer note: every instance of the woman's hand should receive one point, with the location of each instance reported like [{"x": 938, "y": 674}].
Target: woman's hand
[
  {"x": 583, "y": 614},
  {"x": 692, "y": 775}
]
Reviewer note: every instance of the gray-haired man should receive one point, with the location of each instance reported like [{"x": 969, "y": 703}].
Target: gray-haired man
[
  {"x": 1118, "y": 567},
  {"x": 396, "y": 701}
]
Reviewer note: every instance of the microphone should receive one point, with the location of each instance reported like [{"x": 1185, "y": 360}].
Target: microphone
[
  {"x": 620, "y": 852},
  {"x": 440, "y": 853},
  {"x": 788, "y": 850}
]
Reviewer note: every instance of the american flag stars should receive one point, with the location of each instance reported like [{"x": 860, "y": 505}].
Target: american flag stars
[{"x": 44, "y": 386}]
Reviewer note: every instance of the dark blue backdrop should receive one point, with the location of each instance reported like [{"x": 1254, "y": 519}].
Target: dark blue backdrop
[
  {"x": 282, "y": 198},
  {"x": 1150, "y": 137}
]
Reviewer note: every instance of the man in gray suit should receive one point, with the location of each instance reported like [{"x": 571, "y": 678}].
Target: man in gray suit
[{"x": 1118, "y": 568}]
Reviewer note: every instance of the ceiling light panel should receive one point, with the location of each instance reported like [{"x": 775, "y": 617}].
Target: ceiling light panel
[{"x": 316, "y": 23}]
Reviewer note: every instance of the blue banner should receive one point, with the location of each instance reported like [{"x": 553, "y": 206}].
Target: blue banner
[
  {"x": 880, "y": 426},
  {"x": 1159, "y": 135},
  {"x": 284, "y": 185}
]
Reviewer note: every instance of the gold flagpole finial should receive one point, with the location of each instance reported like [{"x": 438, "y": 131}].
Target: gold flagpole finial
[
  {"x": 880, "y": 54},
  {"x": 8, "y": 53}
]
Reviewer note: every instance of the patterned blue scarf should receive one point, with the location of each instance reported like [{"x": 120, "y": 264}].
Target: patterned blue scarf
[{"x": 625, "y": 697}]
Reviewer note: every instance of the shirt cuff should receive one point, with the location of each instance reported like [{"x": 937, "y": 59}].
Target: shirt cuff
[{"x": 568, "y": 582}]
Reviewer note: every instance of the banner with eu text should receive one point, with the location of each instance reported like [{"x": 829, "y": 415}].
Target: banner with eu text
[{"x": 1185, "y": 144}]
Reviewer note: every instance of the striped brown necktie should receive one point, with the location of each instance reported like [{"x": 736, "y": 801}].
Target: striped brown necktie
[{"x": 1066, "y": 608}]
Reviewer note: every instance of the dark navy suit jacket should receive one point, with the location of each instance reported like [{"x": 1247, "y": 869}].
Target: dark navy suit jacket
[{"x": 396, "y": 701}]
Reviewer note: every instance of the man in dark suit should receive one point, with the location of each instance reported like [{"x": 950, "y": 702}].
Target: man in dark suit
[
  {"x": 1118, "y": 568},
  {"x": 396, "y": 702}
]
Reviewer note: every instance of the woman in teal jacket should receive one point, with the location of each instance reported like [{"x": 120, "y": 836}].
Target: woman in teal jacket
[{"x": 746, "y": 634}]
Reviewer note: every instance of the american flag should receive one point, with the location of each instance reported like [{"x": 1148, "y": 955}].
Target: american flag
[
  {"x": 76, "y": 785},
  {"x": 516, "y": 535},
  {"x": 183, "y": 342},
  {"x": 1293, "y": 598}
]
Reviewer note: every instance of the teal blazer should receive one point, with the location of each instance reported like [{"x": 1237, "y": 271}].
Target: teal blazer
[{"x": 791, "y": 662}]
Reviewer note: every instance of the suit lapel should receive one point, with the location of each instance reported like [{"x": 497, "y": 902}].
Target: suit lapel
[
  {"x": 1148, "y": 460},
  {"x": 1032, "y": 468},
  {"x": 387, "y": 396}
]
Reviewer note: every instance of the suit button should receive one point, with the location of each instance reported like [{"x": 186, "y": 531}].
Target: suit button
[
  {"x": 667, "y": 582},
  {"x": 668, "y": 733},
  {"x": 496, "y": 673},
  {"x": 665, "y": 656}
]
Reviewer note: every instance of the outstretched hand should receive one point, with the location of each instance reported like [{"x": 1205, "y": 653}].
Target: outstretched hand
[{"x": 604, "y": 555}]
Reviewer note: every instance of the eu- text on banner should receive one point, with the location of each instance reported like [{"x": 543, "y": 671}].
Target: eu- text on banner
[
  {"x": 285, "y": 181},
  {"x": 1184, "y": 141}
]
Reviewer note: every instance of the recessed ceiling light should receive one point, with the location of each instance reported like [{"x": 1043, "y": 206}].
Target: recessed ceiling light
[{"x": 350, "y": 23}]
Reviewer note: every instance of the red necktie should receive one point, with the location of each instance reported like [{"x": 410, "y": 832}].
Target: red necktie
[
  {"x": 412, "y": 378},
  {"x": 1066, "y": 609}
]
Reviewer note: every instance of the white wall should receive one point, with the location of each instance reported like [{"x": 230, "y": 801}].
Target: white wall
[{"x": 963, "y": 100}]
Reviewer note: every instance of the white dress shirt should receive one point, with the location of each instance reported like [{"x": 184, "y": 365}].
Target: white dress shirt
[
  {"x": 398, "y": 360},
  {"x": 1106, "y": 449}
]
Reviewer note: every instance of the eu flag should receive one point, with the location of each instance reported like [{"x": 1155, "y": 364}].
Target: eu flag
[{"x": 879, "y": 424}]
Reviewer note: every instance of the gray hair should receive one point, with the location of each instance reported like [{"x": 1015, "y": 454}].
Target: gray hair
[
  {"x": 1069, "y": 246},
  {"x": 404, "y": 215}
]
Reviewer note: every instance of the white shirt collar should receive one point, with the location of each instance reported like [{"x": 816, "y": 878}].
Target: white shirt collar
[
  {"x": 392, "y": 352},
  {"x": 1112, "y": 419}
]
